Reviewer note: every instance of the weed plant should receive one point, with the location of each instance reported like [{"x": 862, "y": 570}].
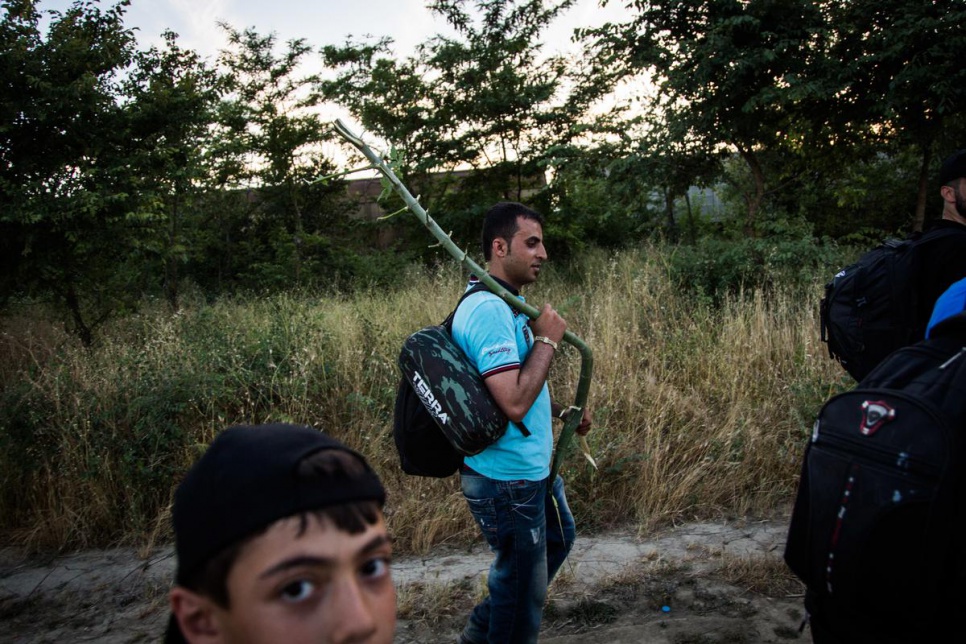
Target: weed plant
[{"x": 702, "y": 405}]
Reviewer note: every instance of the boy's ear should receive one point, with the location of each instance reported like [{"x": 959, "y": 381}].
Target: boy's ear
[{"x": 195, "y": 615}]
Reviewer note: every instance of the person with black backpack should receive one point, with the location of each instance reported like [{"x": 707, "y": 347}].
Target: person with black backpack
[
  {"x": 523, "y": 515},
  {"x": 943, "y": 261},
  {"x": 877, "y": 529},
  {"x": 883, "y": 301}
]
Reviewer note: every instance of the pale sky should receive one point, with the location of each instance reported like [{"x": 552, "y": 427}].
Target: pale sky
[{"x": 320, "y": 22}]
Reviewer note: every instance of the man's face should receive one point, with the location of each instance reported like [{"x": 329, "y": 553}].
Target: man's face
[
  {"x": 525, "y": 253},
  {"x": 954, "y": 194},
  {"x": 960, "y": 192},
  {"x": 325, "y": 586}
]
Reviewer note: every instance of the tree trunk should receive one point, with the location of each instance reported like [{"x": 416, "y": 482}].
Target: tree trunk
[
  {"x": 920, "y": 216},
  {"x": 672, "y": 228},
  {"x": 171, "y": 259},
  {"x": 692, "y": 225},
  {"x": 753, "y": 200},
  {"x": 81, "y": 328},
  {"x": 297, "y": 237}
]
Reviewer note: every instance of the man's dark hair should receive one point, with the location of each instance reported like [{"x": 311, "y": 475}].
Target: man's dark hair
[
  {"x": 325, "y": 467},
  {"x": 501, "y": 222}
]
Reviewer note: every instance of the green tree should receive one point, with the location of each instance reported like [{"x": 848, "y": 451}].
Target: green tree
[
  {"x": 595, "y": 203},
  {"x": 269, "y": 146},
  {"x": 900, "y": 75},
  {"x": 171, "y": 96},
  {"x": 488, "y": 101},
  {"x": 732, "y": 78},
  {"x": 67, "y": 232}
]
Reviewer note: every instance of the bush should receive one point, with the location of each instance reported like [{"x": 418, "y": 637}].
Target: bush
[{"x": 716, "y": 267}]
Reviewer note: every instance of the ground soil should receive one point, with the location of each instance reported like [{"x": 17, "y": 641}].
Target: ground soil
[{"x": 707, "y": 582}]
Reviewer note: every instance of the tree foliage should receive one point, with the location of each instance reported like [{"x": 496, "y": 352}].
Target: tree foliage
[
  {"x": 123, "y": 171},
  {"x": 487, "y": 100},
  {"x": 731, "y": 77},
  {"x": 64, "y": 180},
  {"x": 127, "y": 172},
  {"x": 171, "y": 99},
  {"x": 900, "y": 75},
  {"x": 268, "y": 147},
  {"x": 800, "y": 90}
]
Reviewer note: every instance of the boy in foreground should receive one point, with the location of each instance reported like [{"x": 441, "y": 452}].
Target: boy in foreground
[{"x": 280, "y": 537}]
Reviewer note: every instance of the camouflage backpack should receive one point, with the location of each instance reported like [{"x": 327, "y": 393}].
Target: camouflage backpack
[{"x": 443, "y": 409}]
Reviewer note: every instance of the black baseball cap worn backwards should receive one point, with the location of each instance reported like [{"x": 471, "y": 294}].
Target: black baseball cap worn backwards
[
  {"x": 247, "y": 480},
  {"x": 953, "y": 167}
]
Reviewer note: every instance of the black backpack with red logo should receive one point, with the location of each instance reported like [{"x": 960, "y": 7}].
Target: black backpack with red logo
[{"x": 876, "y": 530}]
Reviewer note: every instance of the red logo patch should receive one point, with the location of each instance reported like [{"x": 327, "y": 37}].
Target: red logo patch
[{"x": 875, "y": 414}]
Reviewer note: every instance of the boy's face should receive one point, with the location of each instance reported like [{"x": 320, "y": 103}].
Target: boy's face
[{"x": 324, "y": 585}]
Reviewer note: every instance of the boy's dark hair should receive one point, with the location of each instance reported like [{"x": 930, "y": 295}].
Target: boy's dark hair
[
  {"x": 501, "y": 222},
  {"x": 249, "y": 478}
]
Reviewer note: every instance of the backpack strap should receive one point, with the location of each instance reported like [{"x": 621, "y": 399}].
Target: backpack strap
[
  {"x": 939, "y": 232},
  {"x": 476, "y": 288}
]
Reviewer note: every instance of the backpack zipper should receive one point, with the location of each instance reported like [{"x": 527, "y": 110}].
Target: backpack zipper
[
  {"x": 953, "y": 359},
  {"x": 875, "y": 455}
]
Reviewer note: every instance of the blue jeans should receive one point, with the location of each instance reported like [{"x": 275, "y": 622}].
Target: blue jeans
[{"x": 531, "y": 539}]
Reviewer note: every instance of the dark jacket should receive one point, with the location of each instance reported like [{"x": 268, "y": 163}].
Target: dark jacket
[{"x": 940, "y": 262}]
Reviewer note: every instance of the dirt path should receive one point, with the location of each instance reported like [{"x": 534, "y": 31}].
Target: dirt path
[{"x": 703, "y": 582}]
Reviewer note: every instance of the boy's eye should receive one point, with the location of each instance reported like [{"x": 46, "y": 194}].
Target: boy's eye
[
  {"x": 375, "y": 568},
  {"x": 297, "y": 590}
]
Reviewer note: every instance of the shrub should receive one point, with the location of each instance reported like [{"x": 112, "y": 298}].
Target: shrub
[{"x": 715, "y": 267}]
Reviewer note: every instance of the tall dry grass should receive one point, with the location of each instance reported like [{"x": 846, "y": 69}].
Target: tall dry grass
[{"x": 699, "y": 409}]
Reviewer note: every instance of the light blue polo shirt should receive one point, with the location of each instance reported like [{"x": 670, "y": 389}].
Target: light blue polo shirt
[{"x": 497, "y": 338}]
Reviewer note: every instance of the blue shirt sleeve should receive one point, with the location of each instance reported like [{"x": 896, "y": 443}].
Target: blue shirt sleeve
[{"x": 484, "y": 329}]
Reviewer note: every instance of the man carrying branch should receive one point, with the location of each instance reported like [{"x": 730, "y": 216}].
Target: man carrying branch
[{"x": 529, "y": 530}]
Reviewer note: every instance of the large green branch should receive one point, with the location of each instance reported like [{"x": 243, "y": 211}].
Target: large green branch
[{"x": 564, "y": 442}]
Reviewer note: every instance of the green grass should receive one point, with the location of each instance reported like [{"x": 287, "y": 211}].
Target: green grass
[{"x": 701, "y": 408}]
